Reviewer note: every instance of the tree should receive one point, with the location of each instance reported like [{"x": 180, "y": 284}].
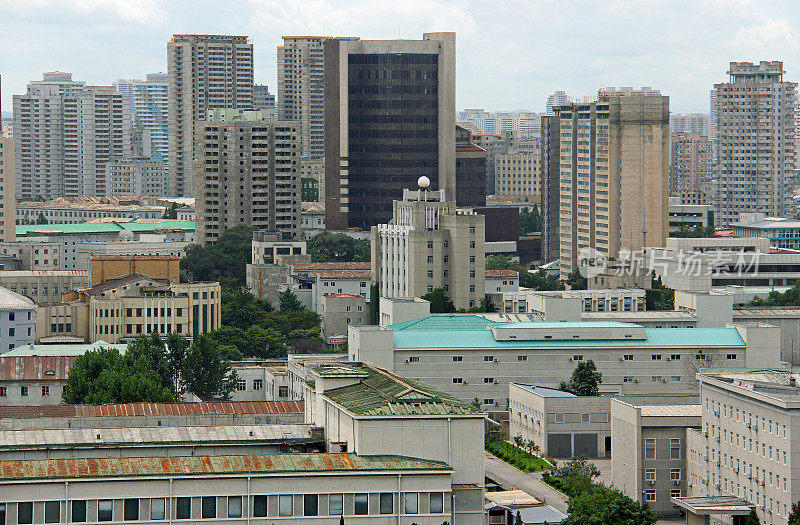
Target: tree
[
  {"x": 440, "y": 303},
  {"x": 577, "y": 467},
  {"x": 289, "y": 301},
  {"x": 598, "y": 505},
  {"x": 790, "y": 297},
  {"x": 704, "y": 358},
  {"x": 225, "y": 261},
  {"x": 338, "y": 247},
  {"x": 518, "y": 519},
  {"x": 176, "y": 354},
  {"x": 576, "y": 281},
  {"x": 256, "y": 341},
  {"x": 585, "y": 380},
  {"x": 530, "y": 220},
  {"x": 241, "y": 309},
  {"x": 206, "y": 371},
  {"x": 794, "y": 516},
  {"x": 171, "y": 211},
  {"x": 695, "y": 231},
  {"x": 476, "y": 404},
  {"x": 41, "y": 219},
  {"x": 752, "y": 518},
  {"x": 535, "y": 281},
  {"x": 105, "y": 376}
]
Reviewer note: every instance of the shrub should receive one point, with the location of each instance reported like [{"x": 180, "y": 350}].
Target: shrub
[{"x": 517, "y": 457}]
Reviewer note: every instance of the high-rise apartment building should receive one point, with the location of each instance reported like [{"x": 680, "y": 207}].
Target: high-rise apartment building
[
  {"x": 690, "y": 123},
  {"x": 389, "y": 119},
  {"x": 262, "y": 98},
  {"x": 754, "y": 144},
  {"x": 97, "y": 129},
  {"x": 690, "y": 165},
  {"x": 430, "y": 244},
  {"x": 524, "y": 123},
  {"x": 470, "y": 170},
  {"x": 135, "y": 176},
  {"x": 247, "y": 172},
  {"x": 494, "y": 145},
  {"x": 301, "y": 89},
  {"x": 550, "y": 193},
  {"x": 627, "y": 92},
  {"x": 8, "y": 201},
  {"x": 39, "y": 132},
  {"x": 205, "y": 72},
  {"x": 614, "y": 170},
  {"x": 518, "y": 172},
  {"x": 149, "y": 102},
  {"x": 557, "y": 98}
]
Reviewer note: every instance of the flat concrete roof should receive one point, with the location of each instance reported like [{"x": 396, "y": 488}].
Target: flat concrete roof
[
  {"x": 543, "y": 391},
  {"x": 705, "y": 505},
  {"x": 670, "y": 410}
]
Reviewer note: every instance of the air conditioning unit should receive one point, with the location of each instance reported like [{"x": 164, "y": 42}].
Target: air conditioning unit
[
  {"x": 716, "y": 412},
  {"x": 676, "y": 482},
  {"x": 651, "y": 482},
  {"x": 496, "y": 382},
  {"x": 705, "y": 458},
  {"x": 622, "y": 359},
  {"x": 464, "y": 382},
  {"x": 635, "y": 380},
  {"x": 664, "y": 380},
  {"x": 704, "y": 481},
  {"x": 749, "y": 476},
  {"x": 705, "y": 434},
  {"x": 689, "y": 484},
  {"x": 750, "y": 425}
]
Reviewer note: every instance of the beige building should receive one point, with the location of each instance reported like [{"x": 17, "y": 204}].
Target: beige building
[
  {"x": 268, "y": 248},
  {"x": 614, "y": 165},
  {"x": 649, "y": 460},
  {"x": 8, "y": 183},
  {"x": 43, "y": 287},
  {"x": 518, "y": 172},
  {"x": 205, "y": 72},
  {"x": 747, "y": 442},
  {"x": 689, "y": 216},
  {"x": 430, "y": 244},
  {"x": 339, "y": 311},
  {"x": 261, "y": 187},
  {"x": 301, "y": 89}
]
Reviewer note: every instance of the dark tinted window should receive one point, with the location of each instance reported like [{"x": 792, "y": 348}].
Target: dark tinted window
[
  {"x": 259, "y": 506},
  {"x": 387, "y": 503},
  {"x": 361, "y": 504},
  {"x": 52, "y": 511},
  {"x": 131, "y": 510},
  {"x": 78, "y": 511},
  {"x": 209, "y": 506},
  {"x": 183, "y": 508},
  {"x": 310, "y": 505},
  {"x": 25, "y": 512}
]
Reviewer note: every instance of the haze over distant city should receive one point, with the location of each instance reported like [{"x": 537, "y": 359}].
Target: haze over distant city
[{"x": 510, "y": 55}]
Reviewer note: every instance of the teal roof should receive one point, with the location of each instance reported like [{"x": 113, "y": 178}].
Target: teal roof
[
  {"x": 475, "y": 332},
  {"x": 104, "y": 227}
]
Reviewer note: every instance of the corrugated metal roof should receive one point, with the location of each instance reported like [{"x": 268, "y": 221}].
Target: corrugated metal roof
[
  {"x": 154, "y": 409},
  {"x": 73, "y": 437},
  {"x": 343, "y": 274},
  {"x": 43, "y": 273},
  {"x": 670, "y": 410},
  {"x": 501, "y": 273},
  {"x": 381, "y": 393},
  {"x": 24, "y": 230},
  {"x": 208, "y": 465},
  {"x": 25, "y": 368}
]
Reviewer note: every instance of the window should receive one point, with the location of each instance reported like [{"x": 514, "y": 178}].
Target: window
[
  {"x": 487, "y": 358},
  {"x": 208, "y": 507},
  {"x": 675, "y": 357},
  {"x": 650, "y": 474},
  {"x": 628, "y": 357},
  {"x": 584, "y": 418},
  {"x": 52, "y": 511},
  {"x": 488, "y": 401},
  {"x": 675, "y": 448},
  {"x": 183, "y": 508},
  {"x": 386, "y": 503},
  {"x": 45, "y": 390},
  {"x": 437, "y": 503},
  {"x": 310, "y": 505},
  {"x": 559, "y": 418},
  {"x": 361, "y": 503},
  {"x": 413, "y": 359},
  {"x": 411, "y": 503},
  {"x": 158, "y": 509},
  {"x": 3, "y": 391},
  {"x": 104, "y": 510},
  {"x": 234, "y": 506},
  {"x": 285, "y": 505},
  {"x": 25, "y": 512},
  {"x": 577, "y": 357},
  {"x": 260, "y": 506},
  {"x": 649, "y": 448},
  {"x": 457, "y": 358},
  {"x": 488, "y": 380},
  {"x": 23, "y": 391},
  {"x": 241, "y": 385},
  {"x": 457, "y": 380},
  {"x": 78, "y": 511},
  {"x": 283, "y": 391},
  {"x": 649, "y": 495},
  {"x": 130, "y": 511},
  {"x": 335, "y": 504},
  {"x": 675, "y": 474},
  {"x": 730, "y": 356},
  {"x": 675, "y": 493},
  {"x": 522, "y": 358},
  {"x": 655, "y": 357},
  {"x": 430, "y": 259}
]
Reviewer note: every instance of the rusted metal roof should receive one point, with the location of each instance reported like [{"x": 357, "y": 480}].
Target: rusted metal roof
[
  {"x": 35, "y": 367},
  {"x": 343, "y": 274},
  {"x": 331, "y": 266},
  {"x": 154, "y": 409},
  {"x": 209, "y": 465},
  {"x": 501, "y": 273}
]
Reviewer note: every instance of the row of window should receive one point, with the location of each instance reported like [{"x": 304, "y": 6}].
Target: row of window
[
  {"x": 131, "y": 508},
  {"x": 24, "y": 390}
]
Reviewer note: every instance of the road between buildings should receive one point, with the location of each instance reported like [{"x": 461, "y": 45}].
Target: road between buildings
[{"x": 510, "y": 478}]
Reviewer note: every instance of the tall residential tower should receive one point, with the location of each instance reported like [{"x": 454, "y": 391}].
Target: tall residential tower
[{"x": 205, "y": 72}]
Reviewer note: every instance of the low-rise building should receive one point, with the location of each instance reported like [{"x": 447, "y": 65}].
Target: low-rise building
[
  {"x": 43, "y": 287},
  {"x": 502, "y": 281},
  {"x": 268, "y": 247},
  {"x": 107, "y": 267},
  {"x": 312, "y": 219},
  {"x": 607, "y": 300},
  {"x": 17, "y": 320},
  {"x": 260, "y": 381},
  {"x": 782, "y": 232},
  {"x": 75, "y": 210},
  {"x": 33, "y": 380},
  {"x": 688, "y": 216},
  {"x": 649, "y": 459},
  {"x": 339, "y": 311}
]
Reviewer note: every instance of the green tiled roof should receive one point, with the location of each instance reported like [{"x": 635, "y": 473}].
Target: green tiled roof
[
  {"x": 104, "y": 227},
  {"x": 209, "y": 465},
  {"x": 463, "y": 332},
  {"x": 384, "y": 394}
]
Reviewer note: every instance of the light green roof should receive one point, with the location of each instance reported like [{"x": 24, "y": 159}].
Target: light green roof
[
  {"x": 381, "y": 393},
  {"x": 59, "y": 350},
  {"x": 475, "y": 332},
  {"x": 23, "y": 230}
]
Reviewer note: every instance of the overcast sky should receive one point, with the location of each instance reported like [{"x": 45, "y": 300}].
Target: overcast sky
[{"x": 510, "y": 53}]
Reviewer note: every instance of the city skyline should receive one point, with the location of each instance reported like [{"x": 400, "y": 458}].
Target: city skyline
[{"x": 651, "y": 46}]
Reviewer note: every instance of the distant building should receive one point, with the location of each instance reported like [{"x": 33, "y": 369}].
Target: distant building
[
  {"x": 362, "y": 178},
  {"x": 646, "y": 91},
  {"x": 262, "y": 99},
  {"x": 76, "y": 210},
  {"x": 782, "y": 232},
  {"x": 262, "y": 189},
  {"x": 501, "y": 281},
  {"x": 480, "y": 121},
  {"x": 269, "y": 247},
  {"x": 494, "y": 145},
  {"x": 690, "y": 163},
  {"x": 430, "y": 244},
  {"x": 8, "y": 200},
  {"x": 557, "y": 98},
  {"x": 312, "y": 219},
  {"x": 689, "y": 216},
  {"x": 518, "y": 172},
  {"x": 205, "y": 72},
  {"x": 550, "y": 192},
  {"x": 755, "y": 93},
  {"x": 43, "y": 287},
  {"x": 149, "y": 103},
  {"x": 135, "y": 176},
  {"x": 699, "y": 123},
  {"x": 106, "y": 267},
  {"x": 340, "y": 310},
  {"x": 470, "y": 171}
]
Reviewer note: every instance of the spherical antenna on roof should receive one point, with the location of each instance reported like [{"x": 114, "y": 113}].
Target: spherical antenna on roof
[{"x": 424, "y": 182}]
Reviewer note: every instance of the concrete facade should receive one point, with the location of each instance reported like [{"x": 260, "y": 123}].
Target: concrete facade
[
  {"x": 610, "y": 150},
  {"x": 782, "y": 232},
  {"x": 149, "y": 102},
  {"x": 550, "y": 192},
  {"x": 688, "y": 215},
  {"x": 690, "y": 163},
  {"x": 205, "y": 72},
  {"x": 470, "y": 170},
  {"x": 135, "y": 176},
  {"x": 8, "y": 184},
  {"x": 17, "y": 320},
  {"x": 649, "y": 460},
  {"x": 260, "y": 188},
  {"x": 339, "y": 311},
  {"x": 430, "y": 244},
  {"x": 518, "y": 172},
  {"x": 260, "y": 381},
  {"x": 365, "y": 168},
  {"x": 690, "y": 123},
  {"x": 43, "y": 287},
  {"x": 268, "y": 247},
  {"x": 105, "y": 268}
]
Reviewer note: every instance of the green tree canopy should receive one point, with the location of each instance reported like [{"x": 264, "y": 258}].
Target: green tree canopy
[
  {"x": 241, "y": 309},
  {"x": 694, "y": 231},
  {"x": 598, "y": 505},
  {"x": 290, "y": 302},
  {"x": 790, "y": 297},
  {"x": 535, "y": 281},
  {"x": 264, "y": 343},
  {"x": 585, "y": 380},
  {"x": 171, "y": 211},
  {"x": 530, "y": 220},
  {"x": 206, "y": 371},
  {"x": 752, "y": 518},
  {"x": 41, "y": 219},
  {"x": 338, "y": 247},
  {"x": 794, "y": 516},
  {"x": 440, "y": 303},
  {"x": 659, "y": 297},
  {"x": 576, "y": 281},
  {"x": 224, "y": 261}
]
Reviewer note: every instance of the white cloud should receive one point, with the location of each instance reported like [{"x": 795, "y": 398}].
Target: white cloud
[{"x": 144, "y": 12}]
